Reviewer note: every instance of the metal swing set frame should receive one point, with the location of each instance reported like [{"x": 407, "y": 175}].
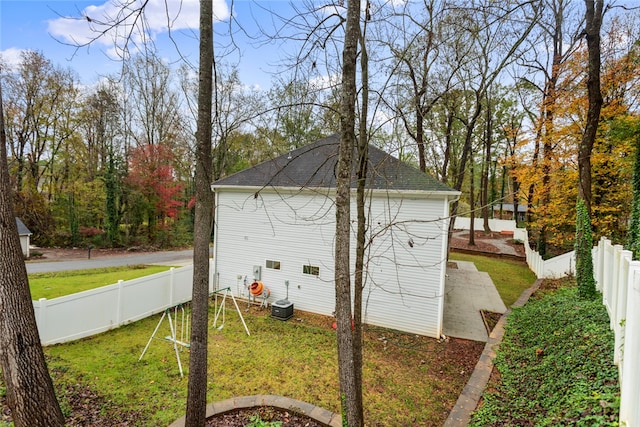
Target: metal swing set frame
[{"x": 184, "y": 327}]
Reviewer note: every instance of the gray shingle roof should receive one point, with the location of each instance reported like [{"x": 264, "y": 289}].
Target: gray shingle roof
[
  {"x": 22, "y": 229},
  {"x": 313, "y": 166}
]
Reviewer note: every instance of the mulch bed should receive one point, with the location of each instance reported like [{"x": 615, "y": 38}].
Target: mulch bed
[
  {"x": 242, "y": 417},
  {"x": 490, "y": 319}
]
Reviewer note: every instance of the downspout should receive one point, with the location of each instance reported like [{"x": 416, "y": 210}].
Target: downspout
[{"x": 214, "y": 265}]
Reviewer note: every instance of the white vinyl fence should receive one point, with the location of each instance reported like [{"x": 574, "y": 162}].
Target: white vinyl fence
[
  {"x": 553, "y": 268},
  {"x": 618, "y": 278},
  {"x": 98, "y": 310},
  {"x": 464, "y": 223}
]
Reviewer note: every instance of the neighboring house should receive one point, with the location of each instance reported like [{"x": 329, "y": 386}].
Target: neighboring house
[
  {"x": 276, "y": 222},
  {"x": 25, "y": 237},
  {"x": 505, "y": 211}
]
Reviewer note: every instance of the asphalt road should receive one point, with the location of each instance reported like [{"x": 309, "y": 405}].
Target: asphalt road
[{"x": 173, "y": 258}]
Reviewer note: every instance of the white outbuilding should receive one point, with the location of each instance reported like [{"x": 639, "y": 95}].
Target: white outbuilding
[
  {"x": 25, "y": 237},
  {"x": 275, "y": 223}
]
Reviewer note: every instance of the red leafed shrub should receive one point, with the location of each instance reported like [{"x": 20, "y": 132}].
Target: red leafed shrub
[{"x": 88, "y": 232}]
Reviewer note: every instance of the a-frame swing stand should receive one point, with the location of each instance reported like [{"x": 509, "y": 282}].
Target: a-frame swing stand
[
  {"x": 222, "y": 309},
  {"x": 184, "y": 324},
  {"x": 173, "y": 326}
]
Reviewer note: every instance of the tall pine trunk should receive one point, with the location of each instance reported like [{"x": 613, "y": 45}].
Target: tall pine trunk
[{"x": 197, "y": 389}]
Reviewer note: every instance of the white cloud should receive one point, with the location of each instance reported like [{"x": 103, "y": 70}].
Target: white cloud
[
  {"x": 325, "y": 82},
  {"x": 11, "y": 57},
  {"x": 96, "y": 22}
]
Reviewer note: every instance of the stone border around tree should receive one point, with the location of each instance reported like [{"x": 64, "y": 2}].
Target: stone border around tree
[{"x": 319, "y": 414}]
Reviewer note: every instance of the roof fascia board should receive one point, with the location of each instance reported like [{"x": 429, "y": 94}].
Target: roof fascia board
[{"x": 325, "y": 190}]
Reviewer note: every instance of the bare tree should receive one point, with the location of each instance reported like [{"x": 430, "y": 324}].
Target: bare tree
[
  {"x": 157, "y": 118},
  {"x": 30, "y": 393},
  {"x": 416, "y": 42},
  {"x": 43, "y": 99},
  {"x": 492, "y": 46},
  {"x": 346, "y": 366}
]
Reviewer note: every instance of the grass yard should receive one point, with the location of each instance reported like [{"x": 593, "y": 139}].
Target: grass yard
[
  {"x": 57, "y": 284},
  {"x": 408, "y": 379},
  {"x": 510, "y": 277},
  {"x": 555, "y": 364}
]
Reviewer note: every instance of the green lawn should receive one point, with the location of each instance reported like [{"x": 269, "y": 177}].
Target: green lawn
[
  {"x": 57, "y": 284},
  {"x": 408, "y": 379},
  {"x": 510, "y": 277}
]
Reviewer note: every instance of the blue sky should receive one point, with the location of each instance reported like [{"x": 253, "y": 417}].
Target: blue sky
[{"x": 44, "y": 25}]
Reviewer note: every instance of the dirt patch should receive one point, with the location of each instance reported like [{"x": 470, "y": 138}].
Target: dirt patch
[{"x": 85, "y": 407}]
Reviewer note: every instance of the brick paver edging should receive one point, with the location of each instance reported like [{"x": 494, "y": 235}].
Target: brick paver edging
[
  {"x": 470, "y": 396},
  {"x": 319, "y": 414}
]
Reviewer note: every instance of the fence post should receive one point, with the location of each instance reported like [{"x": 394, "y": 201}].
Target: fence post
[
  {"x": 212, "y": 286},
  {"x": 172, "y": 284},
  {"x": 540, "y": 266},
  {"x": 630, "y": 379},
  {"x": 42, "y": 320},
  {"x": 120, "y": 302},
  {"x": 615, "y": 285},
  {"x": 607, "y": 272},
  {"x": 598, "y": 267},
  {"x": 621, "y": 309}
]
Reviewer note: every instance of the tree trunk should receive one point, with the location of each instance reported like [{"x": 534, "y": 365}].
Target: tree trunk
[
  {"x": 197, "y": 388},
  {"x": 29, "y": 389},
  {"x": 593, "y": 18},
  {"x": 466, "y": 152},
  {"x": 420, "y": 135},
  {"x": 346, "y": 368},
  {"x": 472, "y": 207},
  {"x": 359, "y": 279},
  {"x": 447, "y": 150},
  {"x": 484, "y": 188}
]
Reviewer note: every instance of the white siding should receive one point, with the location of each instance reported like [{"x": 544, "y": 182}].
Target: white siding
[
  {"x": 404, "y": 283},
  {"x": 406, "y": 280},
  {"x": 24, "y": 244}
]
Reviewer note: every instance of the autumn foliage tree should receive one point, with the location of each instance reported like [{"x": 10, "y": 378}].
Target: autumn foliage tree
[
  {"x": 153, "y": 178},
  {"x": 611, "y": 157}
]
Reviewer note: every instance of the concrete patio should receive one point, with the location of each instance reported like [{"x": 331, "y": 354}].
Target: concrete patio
[{"x": 467, "y": 292}]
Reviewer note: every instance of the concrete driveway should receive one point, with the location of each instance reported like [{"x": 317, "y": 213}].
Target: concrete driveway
[{"x": 467, "y": 291}]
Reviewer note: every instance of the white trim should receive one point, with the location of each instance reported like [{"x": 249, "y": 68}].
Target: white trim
[{"x": 331, "y": 191}]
